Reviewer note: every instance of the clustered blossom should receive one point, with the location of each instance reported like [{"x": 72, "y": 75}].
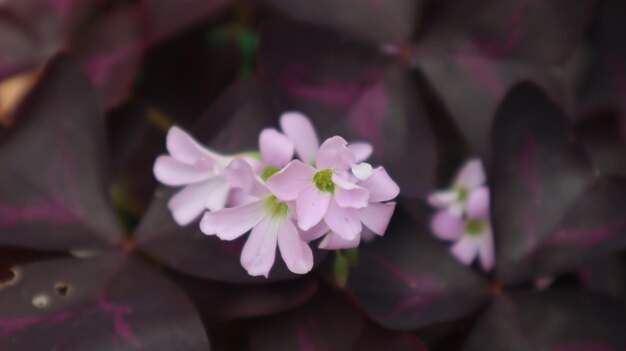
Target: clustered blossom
[
  {"x": 328, "y": 191},
  {"x": 463, "y": 216}
]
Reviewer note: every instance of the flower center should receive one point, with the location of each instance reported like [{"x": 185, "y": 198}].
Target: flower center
[
  {"x": 462, "y": 194},
  {"x": 323, "y": 180},
  {"x": 275, "y": 207},
  {"x": 475, "y": 227},
  {"x": 268, "y": 172}
]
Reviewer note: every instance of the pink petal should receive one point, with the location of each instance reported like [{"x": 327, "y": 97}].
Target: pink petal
[
  {"x": 486, "y": 252},
  {"x": 465, "y": 250},
  {"x": 287, "y": 183},
  {"x": 446, "y": 225},
  {"x": 259, "y": 251},
  {"x": 300, "y": 130},
  {"x": 333, "y": 241},
  {"x": 380, "y": 186},
  {"x": 343, "y": 221},
  {"x": 295, "y": 252},
  {"x": 362, "y": 151},
  {"x": 334, "y": 154},
  {"x": 231, "y": 223},
  {"x": 276, "y": 149},
  {"x": 472, "y": 174},
  {"x": 376, "y": 216},
  {"x": 240, "y": 174},
  {"x": 314, "y": 233},
  {"x": 443, "y": 198},
  {"x": 171, "y": 172},
  {"x": 311, "y": 206},
  {"x": 362, "y": 170},
  {"x": 348, "y": 194},
  {"x": 185, "y": 148},
  {"x": 478, "y": 203},
  {"x": 218, "y": 195},
  {"x": 189, "y": 203},
  {"x": 237, "y": 197}
]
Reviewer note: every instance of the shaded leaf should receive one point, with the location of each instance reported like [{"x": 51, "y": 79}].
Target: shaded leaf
[
  {"x": 606, "y": 275},
  {"x": 367, "y": 20},
  {"x": 564, "y": 320},
  {"x": 350, "y": 90},
  {"x": 107, "y": 302},
  {"x": 539, "y": 172},
  {"x": 408, "y": 280},
  {"x": 53, "y": 178},
  {"x": 327, "y": 322}
]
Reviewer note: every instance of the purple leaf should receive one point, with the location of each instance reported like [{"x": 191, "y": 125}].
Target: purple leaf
[
  {"x": 52, "y": 187},
  {"x": 368, "y": 20},
  {"x": 350, "y": 90},
  {"x": 167, "y": 17},
  {"x": 110, "y": 52},
  {"x": 603, "y": 135},
  {"x": 539, "y": 172},
  {"x": 536, "y": 30},
  {"x": 408, "y": 280},
  {"x": 106, "y": 302},
  {"x": 247, "y": 111},
  {"x": 562, "y": 320},
  {"x": 606, "y": 275},
  {"x": 328, "y": 322}
]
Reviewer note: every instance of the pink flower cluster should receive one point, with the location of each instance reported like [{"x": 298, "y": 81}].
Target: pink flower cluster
[
  {"x": 327, "y": 191},
  {"x": 464, "y": 216}
]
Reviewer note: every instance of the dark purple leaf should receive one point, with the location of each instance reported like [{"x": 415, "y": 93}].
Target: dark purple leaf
[
  {"x": 408, "y": 280},
  {"x": 187, "y": 249},
  {"x": 604, "y": 138},
  {"x": 102, "y": 303},
  {"x": 539, "y": 172},
  {"x": 375, "y": 21},
  {"x": 537, "y": 30},
  {"x": 603, "y": 84},
  {"x": 328, "y": 322},
  {"x": 218, "y": 301},
  {"x": 167, "y": 17},
  {"x": 350, "y": 90},
  {"x": 606, "y": 275},
  {"x": 564, "y": 320},
  {"x": 472, "y": 86},
  {"x": 52, "y": 187},
  {"x": 19, "y": 50},
  {"x": 110, "y": 52}
]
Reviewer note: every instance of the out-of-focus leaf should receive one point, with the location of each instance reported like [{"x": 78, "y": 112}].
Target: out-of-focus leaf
[
  {"x": 53, "y": 168},
  {"x": 563, "y": 320},
  {"x": 604, "y": 138},
  {"x": 246, "y": 111},
  {"x": 375, "y": 21},
  {"x": 111, "y": 50},
  {"x": 536, "y": 30},
  {"x": 407, "y": 280},
  {"x": 350, "y": 90},
  {"x": 327, "y": 322},
  {"x": 604, "y": 82},
  {"x": 219, "y": 302},
  {"x": 472, "y": 86},
  {"x": 107, "y": 302},
  {"x": 606, "y": 275},
  {"x": 167, "y": 17},
  {"x": 539, "y": 172}
]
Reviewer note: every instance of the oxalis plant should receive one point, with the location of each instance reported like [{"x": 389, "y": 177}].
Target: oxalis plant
[{"x": 369, "y": 175}]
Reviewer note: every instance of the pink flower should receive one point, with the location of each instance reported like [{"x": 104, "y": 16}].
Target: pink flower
[
  {"x": 324, "y": 192},
  {"x": 470, "y": 178},
  {"x": 472, "y": 233},
  {"x": 199, "y": 170},
  {"x": 375, "y": 216},
  {"x": 270, "y": 220}
]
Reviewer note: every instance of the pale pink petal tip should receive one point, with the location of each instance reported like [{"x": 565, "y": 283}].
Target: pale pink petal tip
[
  {"x": 465, "y": 250},
  {"x": 287, "y": 184},
  {"x": 334, "y": 154},
  {"x": 446, "y": 225},
  {"x": 478, "y": 203},
  {"x": 362, "y": 151},
  {"x": 472, "y": 175},
  {"x": 295, "y": 252},
  {"x": 276, "y": 148},
  {"x": 300, "y": 130}
]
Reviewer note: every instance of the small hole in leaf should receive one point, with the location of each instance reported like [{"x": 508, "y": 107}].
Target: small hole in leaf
[
  {"x": 41, "y": 301},
  {"x": 10, "y": 277},
  {"x": 63, "y": 289}
]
